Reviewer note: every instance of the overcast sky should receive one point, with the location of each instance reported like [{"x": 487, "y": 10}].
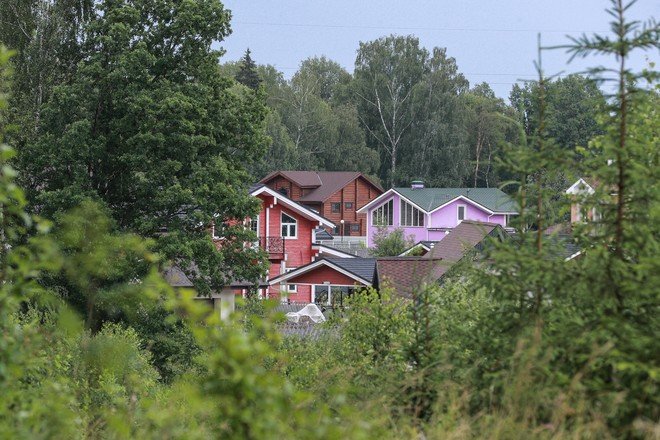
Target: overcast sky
[{"x": 491, "y": 40}]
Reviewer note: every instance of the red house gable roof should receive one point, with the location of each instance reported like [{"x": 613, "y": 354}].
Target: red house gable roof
[
  {"x": 324, "y": 183},
  {"x": 358, "y": 270},
  {"x": 297, "y": 207}
]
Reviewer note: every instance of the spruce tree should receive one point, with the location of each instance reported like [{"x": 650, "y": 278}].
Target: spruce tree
[{"x": 247, "y": 75}]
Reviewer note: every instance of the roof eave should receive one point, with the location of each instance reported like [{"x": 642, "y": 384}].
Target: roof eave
[
  {"x": 313, "y": 265},
  {"x": 294, "y": 205}
]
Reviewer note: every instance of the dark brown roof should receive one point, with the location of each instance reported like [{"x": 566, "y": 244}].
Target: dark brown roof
[
  {"x": 407, "y": 274},
  {"x": 326, "y": 183},
  {"x": 304, "y": 179},
  {"x": 462, "y": 239}
]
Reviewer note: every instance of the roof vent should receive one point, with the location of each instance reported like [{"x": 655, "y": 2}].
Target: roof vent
[{"x": 417, "y": 184}]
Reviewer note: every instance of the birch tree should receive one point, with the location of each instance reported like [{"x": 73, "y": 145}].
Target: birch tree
[{"x": 386, "y": 71}]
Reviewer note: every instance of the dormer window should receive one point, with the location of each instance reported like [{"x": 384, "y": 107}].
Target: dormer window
[{"x": 289, "y": 226}]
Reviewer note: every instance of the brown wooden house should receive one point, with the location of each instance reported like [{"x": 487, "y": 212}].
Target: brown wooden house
[{"x": 336, "y": 195}]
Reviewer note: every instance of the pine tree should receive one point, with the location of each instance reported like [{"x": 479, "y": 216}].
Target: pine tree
[{"x": 247, "y": 75}]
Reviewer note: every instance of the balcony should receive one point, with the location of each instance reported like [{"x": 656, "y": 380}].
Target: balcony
[{"x": 274, "y": 246}]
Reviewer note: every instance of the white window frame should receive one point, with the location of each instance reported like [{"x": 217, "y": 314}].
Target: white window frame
[
  {"x": 382, "y": 206},
  {"x": 414, "y": 212},
  {"x": 458, "y": 210},
  {"x": 288, "y": 225},
  {"x": 214, "y": 236},
  {"x": 291, "y": 288},
  {"x": 327, "y": 286},
  {"x": 258, "y": 225}
]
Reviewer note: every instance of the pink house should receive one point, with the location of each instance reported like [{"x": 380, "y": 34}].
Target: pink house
[{"x": 428, "y": 214}]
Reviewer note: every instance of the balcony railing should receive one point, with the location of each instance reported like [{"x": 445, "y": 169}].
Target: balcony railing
[{"x": 273, "y": 245}]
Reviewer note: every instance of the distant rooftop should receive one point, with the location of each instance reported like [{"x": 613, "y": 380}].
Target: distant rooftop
[
  {"x": 323, "y": 183},
  {"x": 430, "y": 198}
]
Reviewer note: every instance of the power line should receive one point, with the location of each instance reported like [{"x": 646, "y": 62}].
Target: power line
[
  {"x": 409, "y": 28},
  {"x": 521, "y": 76}
]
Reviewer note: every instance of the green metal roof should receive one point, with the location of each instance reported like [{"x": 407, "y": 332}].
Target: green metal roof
[{"x": 430, "y": 198}]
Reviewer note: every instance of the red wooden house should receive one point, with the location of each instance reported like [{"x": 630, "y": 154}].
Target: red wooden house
[
  {"x": 286, "y": 230},
  {"x": 336, "y": 195}
]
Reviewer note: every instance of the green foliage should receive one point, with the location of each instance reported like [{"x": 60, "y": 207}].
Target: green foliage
[
  {"x": 247, "y": 74},
  {"x": 523, "y": 345},
  {"x": 313, "y": 124},
  {"x": 390, "y": 242},
  {"x": 147, "y": 126}
]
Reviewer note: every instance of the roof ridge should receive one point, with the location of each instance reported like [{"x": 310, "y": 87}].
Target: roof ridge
[
  {"x": 407, "y": 259},
  {"x": 478, "y": 222}
]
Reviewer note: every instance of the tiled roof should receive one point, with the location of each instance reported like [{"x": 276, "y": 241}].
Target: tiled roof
[
  {"x": 462, "y": 239},
  {"x": 362, "y": 267},
  {"x": 407, "y": 274},
  {"x": 430, "y": 198},
  {"x": 326, "y": 183}
]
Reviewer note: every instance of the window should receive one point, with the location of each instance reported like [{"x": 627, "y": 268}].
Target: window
[
  {"x": 384, "y": 215},
  {"x": 411, "y": 216},
  {"x": 217, "y": 229},
  {"x": 284, "y": 192},
  {"x": 460, "y": 213},
  {"x": 336, "y": 207},
  {"x": 321, "y": 294},
  {"x": 347, "y": 228},
  {"x": 328, "y": 295},
  {"x": 355, "y": 227},
  {"x": 348, "y": 205},
  {"x": 254, "y": 225},
  {"x": 291, "y": 288},
  {"x": 337, "y": 229},
  {"x": 289, "y": 226}
]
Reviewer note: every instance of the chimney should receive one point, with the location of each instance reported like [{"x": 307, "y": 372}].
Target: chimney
[{"x": 417, "y": 184}]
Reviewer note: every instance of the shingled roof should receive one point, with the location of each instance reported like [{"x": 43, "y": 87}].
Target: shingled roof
[
  {"x": 362, "y": 268},
  {"x": 408, "y": 274},
  {"x": 462, "y": 239},
  {"x": 324, "y": 183},
  {"x": 431, "y": 198}
]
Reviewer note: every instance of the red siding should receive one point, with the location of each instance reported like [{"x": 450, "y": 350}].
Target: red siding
[{"x": 298, "y": 251}]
